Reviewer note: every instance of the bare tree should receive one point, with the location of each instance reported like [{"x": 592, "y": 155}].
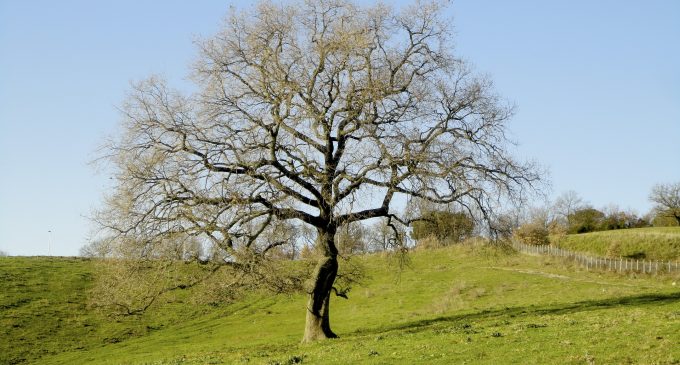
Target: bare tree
[
  {"x": 320, "y": 113},
  {"x": 384, "y": 237},
  {"x": 351, "y": 239},
  {"x": 566, "y": 205},
  {"x": 667, "y": 200}
]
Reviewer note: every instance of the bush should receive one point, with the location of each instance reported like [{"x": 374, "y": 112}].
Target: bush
[
  {"x": 446, "y": 227},
  {"x": 557, "y": 229},
  {"x": 532, "y": 234},
  {"x": 585, "y": 220}
]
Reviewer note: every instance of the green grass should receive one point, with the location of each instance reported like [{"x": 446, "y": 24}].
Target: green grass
[
  {"x": 454, "y": 305},
  {"x": 41, "y": 301},
  {"x": 44, "y": 310},
  {"x": 657, "y": 243}
]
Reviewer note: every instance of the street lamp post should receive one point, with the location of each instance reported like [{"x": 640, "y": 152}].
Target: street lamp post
[{"x": 49, "y": 243}]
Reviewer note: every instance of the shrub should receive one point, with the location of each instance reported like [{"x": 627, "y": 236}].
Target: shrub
[
  {"x": 585, "y": 220},
  {"x": 446, "y": 227},
  {"x": 532, "y": 234}
]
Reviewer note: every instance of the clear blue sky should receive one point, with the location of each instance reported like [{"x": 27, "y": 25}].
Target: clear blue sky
[{"x": 597, "y": 85}]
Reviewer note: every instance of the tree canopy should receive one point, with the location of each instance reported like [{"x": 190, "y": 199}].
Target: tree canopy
[{"x": 314, "y": 113}]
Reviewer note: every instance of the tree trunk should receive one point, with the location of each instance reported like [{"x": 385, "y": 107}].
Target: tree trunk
[{"x": 317, "y": 326}]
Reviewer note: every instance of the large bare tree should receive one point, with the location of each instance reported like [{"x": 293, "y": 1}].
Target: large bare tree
[{"x": 319, "y": 113}]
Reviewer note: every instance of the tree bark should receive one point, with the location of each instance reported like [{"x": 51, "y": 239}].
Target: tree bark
[{"x": 317, "y": 326}]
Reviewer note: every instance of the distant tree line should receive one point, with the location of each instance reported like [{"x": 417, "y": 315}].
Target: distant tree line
[{"x": 569, "y": 214}]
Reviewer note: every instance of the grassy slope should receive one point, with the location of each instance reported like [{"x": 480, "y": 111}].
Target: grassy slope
[
  {"x": 40, "y": 300},
  {"x": 452, "y": 306},
  {"x": 658, "y": 243},
  {"x": 44, "y": 310}
]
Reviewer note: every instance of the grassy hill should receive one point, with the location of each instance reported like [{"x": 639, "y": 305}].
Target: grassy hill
[
  {"x": 453, "y": 305},
  {"x": 656, "y": 243}
]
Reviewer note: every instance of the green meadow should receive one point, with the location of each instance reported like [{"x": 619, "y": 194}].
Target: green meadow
[{"x": 455, "y": 305}]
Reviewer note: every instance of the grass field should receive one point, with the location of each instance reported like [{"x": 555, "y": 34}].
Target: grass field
[
  {"x": 656, "y": 243},
  {"x": 453, "y": 305}
]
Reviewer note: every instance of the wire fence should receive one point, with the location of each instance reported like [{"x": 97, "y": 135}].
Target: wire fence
[{"x": 621, "y": 264}]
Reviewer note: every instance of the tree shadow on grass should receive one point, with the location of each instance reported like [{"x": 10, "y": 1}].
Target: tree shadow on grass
[{"x": 515, "y": 312}]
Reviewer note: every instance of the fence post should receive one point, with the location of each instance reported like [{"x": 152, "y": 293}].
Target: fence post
[{"x": 602, "y": 263}]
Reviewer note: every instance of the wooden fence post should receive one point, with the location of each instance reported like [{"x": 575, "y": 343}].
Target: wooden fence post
[{"x": 604, "y": 263}]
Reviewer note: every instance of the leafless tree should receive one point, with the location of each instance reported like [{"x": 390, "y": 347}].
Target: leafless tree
[
  {"x": 667, "y": 200},
  {"x": 383, "y": 237},
  {"x": 566, "y": 204},
  {"x": 352, "y": 239},
  {"x": 319, "y": 113}
]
